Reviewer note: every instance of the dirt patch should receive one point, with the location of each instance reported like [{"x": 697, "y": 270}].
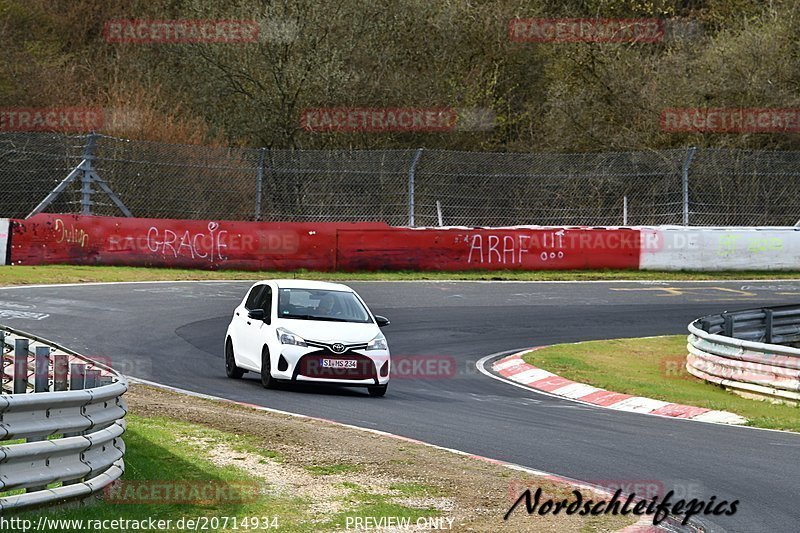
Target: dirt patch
[{"x": 476, "y": 494}]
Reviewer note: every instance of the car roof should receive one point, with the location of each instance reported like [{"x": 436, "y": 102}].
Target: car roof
[{"x": 309, "y": 284}]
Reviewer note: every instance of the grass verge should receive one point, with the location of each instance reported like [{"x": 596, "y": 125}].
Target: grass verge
[
  {"x": 23, "y": 275},
  {"x": 310, "y": 476},
  {"x": 654, "y": 367}
]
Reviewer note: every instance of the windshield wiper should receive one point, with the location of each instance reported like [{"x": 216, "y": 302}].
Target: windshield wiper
[
  {"x": 301, "y": 317},
  {"x": 316, "y": 317},
  {"x": 333, "y": 319}
]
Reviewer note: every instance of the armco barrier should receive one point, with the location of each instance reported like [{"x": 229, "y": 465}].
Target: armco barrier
[
  {"x": 45, "y": 239},
  {"x": 71, "y": 415},
  {"x": 748, "y": 352}
]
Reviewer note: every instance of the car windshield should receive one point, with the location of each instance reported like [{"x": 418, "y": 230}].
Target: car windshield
[{"x": 321, "y": 304}]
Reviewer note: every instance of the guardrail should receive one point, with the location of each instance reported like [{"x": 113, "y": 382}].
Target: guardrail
[
  {"x": 68, "y": 411},
  {"x": 751, "y": 352}
]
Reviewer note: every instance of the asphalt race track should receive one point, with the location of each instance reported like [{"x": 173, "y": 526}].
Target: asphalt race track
[{"x": 172, "y": 333}]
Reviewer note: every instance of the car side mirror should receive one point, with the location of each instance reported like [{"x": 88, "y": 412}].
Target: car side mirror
[
  {"x": 256, "y": 314},
  {"x": 381, "y": 321}
]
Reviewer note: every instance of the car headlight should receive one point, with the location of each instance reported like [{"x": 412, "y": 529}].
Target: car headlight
[
  {"x": 287, "y": 337},
  {"x": 378, "y": 343}
]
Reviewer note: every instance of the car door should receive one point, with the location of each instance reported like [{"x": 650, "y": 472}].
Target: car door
[
  {"x": 243, "y": 327},
  {"x": 256, "y": 331}
]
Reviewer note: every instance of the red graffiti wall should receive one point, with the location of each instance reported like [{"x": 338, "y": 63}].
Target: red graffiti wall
[{"x": 88, "y": 240}]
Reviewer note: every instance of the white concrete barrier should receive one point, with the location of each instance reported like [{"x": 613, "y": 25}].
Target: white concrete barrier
[
  {"x": 4, "y": 238},
  {"x": 711, "y": 248}
]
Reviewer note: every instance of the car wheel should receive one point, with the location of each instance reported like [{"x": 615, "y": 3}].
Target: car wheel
[
  {"x": 231, "y": 369},
  {"x": 266, "y": 370},
  {"x": 377, "y": 391}
]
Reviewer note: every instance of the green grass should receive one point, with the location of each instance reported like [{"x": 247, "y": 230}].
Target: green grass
[
  {"x": 361, "y": 503},
  {"x": 22, "y": 275},
  {"x": 206, "y": 437},
  {"x": 165, "y": 451},
  {"x": 653, "y": 367},
  {"x": 154, "y": 455}
]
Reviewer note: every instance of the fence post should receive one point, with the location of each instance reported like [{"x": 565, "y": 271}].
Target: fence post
[
  {"x": 20, "y": 366},
  {"x": 86, "y": 175},
  {"x": 685, "y": 179},
  {"x": 625, "y": 210},
  {"x": 411, "y": 170},
  {"x": 259, "y": 182}
]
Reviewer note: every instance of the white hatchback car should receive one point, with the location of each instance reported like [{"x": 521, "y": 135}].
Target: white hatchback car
[{"x": 310, "y": 331}]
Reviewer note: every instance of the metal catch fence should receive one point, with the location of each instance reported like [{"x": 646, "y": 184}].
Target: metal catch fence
[{"x": 97, "y": 174}]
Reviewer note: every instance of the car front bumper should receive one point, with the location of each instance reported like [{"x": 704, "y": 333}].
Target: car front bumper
[{"x": 304, "y": 364}]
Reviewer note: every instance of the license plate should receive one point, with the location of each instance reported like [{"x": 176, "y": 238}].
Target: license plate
[{"x": 339, "y": 363}]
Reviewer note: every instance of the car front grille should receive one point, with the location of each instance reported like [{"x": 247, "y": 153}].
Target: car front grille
[{"x": 310, "y": 365}]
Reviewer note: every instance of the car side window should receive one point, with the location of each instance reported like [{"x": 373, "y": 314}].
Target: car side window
[
  {"x": 265, "y": 301},
  {"x": 254, "y": 298}
]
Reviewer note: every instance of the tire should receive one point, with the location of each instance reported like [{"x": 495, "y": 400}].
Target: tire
[
  {"x": 266, "y": 374},
  {"x": 377, "y": 391},
  {"x": 233, "y": 371}
]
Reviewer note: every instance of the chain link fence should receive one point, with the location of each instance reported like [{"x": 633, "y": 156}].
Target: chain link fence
[{"x": 401, "y": 187}]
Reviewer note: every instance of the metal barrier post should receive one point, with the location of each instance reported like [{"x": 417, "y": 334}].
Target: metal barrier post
[
  {"x": 20, "y": 366},
  {"x": 41, "y": 380},
  {"x": 728, "y": 324},
  {"x": 60, "y": 367},
  {"x": 768, "y": 326},
  {"x": 41, "y": 371},
  {"x": 77, "y": 376},
  {"x": 92, "y": 377}
]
